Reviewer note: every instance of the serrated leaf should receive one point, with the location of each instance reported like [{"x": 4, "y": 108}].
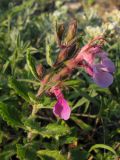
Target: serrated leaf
[
  {"x": 10, "y": 114},
  {"x": 31, "y": 64},
  {"x": 8, "y": 150},
  {"x": 27, "y": 151},
  {"x": 103, "y": 146},
  {"x": 51, "y": 130},
  {"x": 50, "y": 155},
  {"x": 20, "y": 152},
  {"x": 7, "y": 153},
  {"x": 19, "y": 88}
]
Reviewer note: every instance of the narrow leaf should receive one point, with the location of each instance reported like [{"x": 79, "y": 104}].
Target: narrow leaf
[
  {"x": 97, "y": 146},
  {"x": 81, "y": 124},
  {"x": 31, "y": 64},
  {"x": 48, "y": 56}
]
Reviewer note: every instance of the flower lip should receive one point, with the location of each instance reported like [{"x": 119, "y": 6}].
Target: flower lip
[
  {"x": 108, "y": 64},
  {"x": 61, "y": 108},
  {"x": 103, "y": 79},
  {"x": 102, "y": 75}
]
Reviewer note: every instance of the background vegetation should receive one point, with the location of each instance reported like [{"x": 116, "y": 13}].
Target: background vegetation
[{"x": 93, "y": 131}]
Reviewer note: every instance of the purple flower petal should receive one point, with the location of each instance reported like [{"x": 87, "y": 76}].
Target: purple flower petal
[
  {"x": 108, "y": 64},
  {"x": 62, "y": 109},
  {"x": 102, "y": 54},
  {"x": 103, "y": 79}
]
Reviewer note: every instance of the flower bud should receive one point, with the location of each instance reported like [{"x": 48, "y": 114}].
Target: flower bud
[
  {"x": 44, "y": 82},
  {"x": 39, "y": 70},
  {"x": 64, "y": 53},
  {"x": 59, "y": 32},
  {"x": 71, "y": 31}
]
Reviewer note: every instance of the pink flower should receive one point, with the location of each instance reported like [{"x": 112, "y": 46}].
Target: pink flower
[
  {"x": 61, "y": 108},
  {"x": 97, "y": 64}
]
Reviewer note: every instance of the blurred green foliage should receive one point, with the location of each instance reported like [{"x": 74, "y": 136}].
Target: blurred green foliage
[{"x": 28, "y": 128}]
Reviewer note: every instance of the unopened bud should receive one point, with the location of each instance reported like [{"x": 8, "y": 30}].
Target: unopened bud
[
  {"x": 59, "y": 32},
  {"x": 39, "y": 70},
  {"x": 46, "y": 79},
  {"x": 44, "y": 82},
  {"x": 64, "y": 53},
  {"x": 71, "y": 64},
  {"x": 71, "y": 31}
]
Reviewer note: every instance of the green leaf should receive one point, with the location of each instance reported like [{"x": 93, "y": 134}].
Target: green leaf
[
  {"x": 104, "y": 146},
  {"x": 10, "y": 114},
  {"x": 19, "y": 88},
  {"x": 81, "y": 124},
  {"x": 51, "y": 130},
  {"x": 14, "y": 10},
  {"x": 20, "y": 152},
  {"x": 48, "y": 55},
  {"x": 73, "y": 82},
  {"x": 5, "y": 66},
  {"x": 33, "y": 98},
  {"x": 90, "y": 98},
  {"x": 78, "y": 154},
  {"x": 50, "y": 155},
  {"x": 6, "y": 155},
  {"x": 31, "y": 64},
  {"x": 27, "y": 151},
  {"x": 8, "y": 151},
  {"x": 68, "y": 139},
  {"x": 80, "y": 103}
]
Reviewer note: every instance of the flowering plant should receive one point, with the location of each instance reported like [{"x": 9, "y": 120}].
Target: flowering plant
[
  {"x": 57, "y": 96},
  {"x": 91, "y": 57}
]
